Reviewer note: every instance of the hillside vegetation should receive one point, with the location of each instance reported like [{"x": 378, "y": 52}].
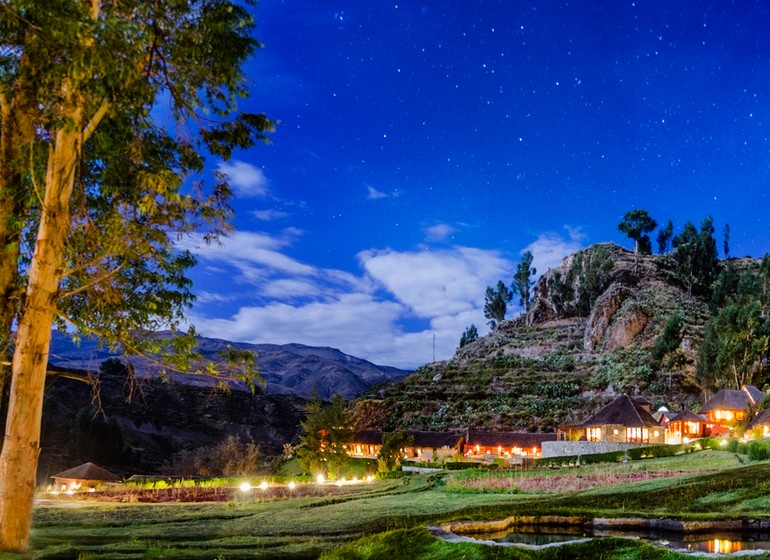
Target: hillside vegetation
[{"x": 604, "y": 322}]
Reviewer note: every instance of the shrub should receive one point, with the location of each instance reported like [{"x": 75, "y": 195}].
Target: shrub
[
  {"x": 228, "y": 458},
  {"x": 759, "y": 451}
]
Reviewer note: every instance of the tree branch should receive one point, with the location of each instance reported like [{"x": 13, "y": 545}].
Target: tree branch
[
  {"x": 93, "y": 282},
  {"x": 96, "y": 119},
  {"x": 75, "y": 377}
]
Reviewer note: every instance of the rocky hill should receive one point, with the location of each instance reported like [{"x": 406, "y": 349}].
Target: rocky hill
[{"x": 589, "y": 335}]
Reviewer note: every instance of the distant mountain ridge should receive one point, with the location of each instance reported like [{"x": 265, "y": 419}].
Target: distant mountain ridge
[{"x": 291, "y": 369}]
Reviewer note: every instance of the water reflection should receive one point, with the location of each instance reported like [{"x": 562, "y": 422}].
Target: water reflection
[{"x": 722, "y": 543}]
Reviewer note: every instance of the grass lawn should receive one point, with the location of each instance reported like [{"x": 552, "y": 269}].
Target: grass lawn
[{"x": 390, "y": 516}]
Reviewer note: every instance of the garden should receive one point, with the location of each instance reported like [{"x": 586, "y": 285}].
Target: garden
[{"x": 388, "y": 518}]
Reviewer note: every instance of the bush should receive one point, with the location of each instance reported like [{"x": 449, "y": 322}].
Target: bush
[
  {"x": 759, "y": 451},
  {"x": 228, "y": 458},
  {"x": 610, "y": 457},
  {"x": 461, "y": 465}
]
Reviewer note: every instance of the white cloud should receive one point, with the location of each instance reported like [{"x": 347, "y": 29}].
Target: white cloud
[
  {"x": 374, "y": 194},
  {"x": 359, "y": 324},
  {"x": 286, "y": 288},
  {"x": 389, "y": 314},
  {"x": 550, "y": 248},
  {"x": 250, "y": 252},
  {"x": 208, "y": 297},
  {"x": 269, "y": 215},
  {"x": 439, "y": 232},
  {"x": 246, "y": 180},
  {"x": 436, "y": 283}
]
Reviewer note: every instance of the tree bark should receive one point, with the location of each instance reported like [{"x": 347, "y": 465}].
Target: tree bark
[{"x": 21, "y": 445}]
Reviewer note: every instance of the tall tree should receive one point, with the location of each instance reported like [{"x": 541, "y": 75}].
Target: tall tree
[
  {"x": 496, "y": 304},
  {"x": 471, "y": 333},
  {"x": 392, "y": 449},
  {"x": 328, "y": 429},
  {"x": 695, "y": 257},
  {"x": 93, "y": 197},
  {"x": 664, "y": 237},
  {"x": 764, "y": 282},
  {"x": 726, "y": 241},
  {"x": 636, "y": 225},
  {"x": 523, "y": 280},
  {"x": 736, "y": 346}
]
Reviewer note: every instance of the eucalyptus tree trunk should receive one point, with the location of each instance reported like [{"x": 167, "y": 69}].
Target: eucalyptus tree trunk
[{"x": 21, "y": 445}]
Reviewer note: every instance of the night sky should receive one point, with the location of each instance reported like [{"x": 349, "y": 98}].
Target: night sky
[{"x": 423, "y": 146}]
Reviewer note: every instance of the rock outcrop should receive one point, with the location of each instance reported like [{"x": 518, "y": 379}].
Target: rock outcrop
[{"x": 587, "y": 337}]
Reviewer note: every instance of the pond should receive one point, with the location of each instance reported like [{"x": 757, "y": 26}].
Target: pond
[{"x": 721, "y": 542}]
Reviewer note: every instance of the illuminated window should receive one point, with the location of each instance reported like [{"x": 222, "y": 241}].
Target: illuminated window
[
  {"x": 725, "y": 415},
  {"x": 594, "y": 434},
  {"x": 637, "y": 434}
]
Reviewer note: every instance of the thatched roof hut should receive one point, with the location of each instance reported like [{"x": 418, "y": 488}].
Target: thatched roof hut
[{"x": 86, "y": 474}]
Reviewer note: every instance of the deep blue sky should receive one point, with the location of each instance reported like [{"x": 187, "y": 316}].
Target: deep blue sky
[{"x": 423, "y": 146}]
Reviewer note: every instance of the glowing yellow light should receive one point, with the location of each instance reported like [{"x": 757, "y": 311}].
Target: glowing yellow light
[
  {"x": 70, "y": 492},
  {"x": 263, "y": 485},
  {"x": 355, "y": 480},
  {"x": 292, "y": 485},
  {"x": 320, "y": 479},
  {"x": 341, "y": 481},
  {"x": 245, "y": 487},
  {"x": 92, "y": 489},
  {"x": 55, "y": 492},
  {"x": 723, "y": 443},
  {"x": 369, "y": 478}
]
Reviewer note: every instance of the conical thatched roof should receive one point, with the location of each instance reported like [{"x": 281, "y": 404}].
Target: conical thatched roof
[
  {"x": 761, "y": 419},
  {"x": 623, "y": 411},
  {"x": 87, "y": 471},
  {"x": 688, "y": 416},
  {"x": 734, "y": 399}
]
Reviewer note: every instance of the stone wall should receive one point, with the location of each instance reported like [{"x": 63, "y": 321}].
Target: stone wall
[{"x": 567, "y": 448}]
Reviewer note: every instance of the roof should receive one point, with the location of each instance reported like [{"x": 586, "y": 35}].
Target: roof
[
  {"x": 508, "y": 439},
  {"x": 761, "y": 419},
  {"x": 368, "y": 437},
  {"x": 687, "y": 416},
  {"x": 87, "y": 471},
  {"x": 734, "y": 399},
  {"x": 436, "y": 440},
  {"x": 622, "y": 411}
]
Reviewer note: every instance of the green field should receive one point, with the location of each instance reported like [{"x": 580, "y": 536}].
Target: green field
[{"x": 387, "y": 519}]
